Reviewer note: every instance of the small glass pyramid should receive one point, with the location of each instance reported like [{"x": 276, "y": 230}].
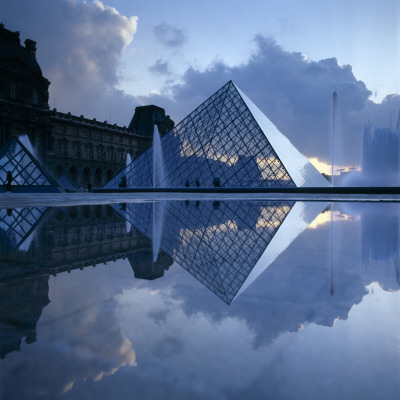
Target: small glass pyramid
[
  {"x": 225, "y": 142},
  {"x": 27, "y": 174}
]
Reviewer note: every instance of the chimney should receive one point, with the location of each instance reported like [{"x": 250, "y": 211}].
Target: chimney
[{"x": 30, "y": 45}]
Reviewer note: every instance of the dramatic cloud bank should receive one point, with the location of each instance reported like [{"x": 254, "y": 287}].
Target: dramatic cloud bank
[
  {"x": 296, "y": 94},
  {"x": 79, "y": 49}
]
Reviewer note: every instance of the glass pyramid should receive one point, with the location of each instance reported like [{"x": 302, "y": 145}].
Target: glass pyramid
[
  {"x": 17, "y": 226},
  {"x": 224, "y": 245},
  {"x": 27, "y": 174},
  {"x": 225, "y": 142}
]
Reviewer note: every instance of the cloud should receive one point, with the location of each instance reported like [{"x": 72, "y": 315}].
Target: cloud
[
  {"x": 79, "y": 49},
  {"x": 160, "y": 67},
  {"x": 82, "y": 54},
  {"x": 296, "y": 94},
  {"x": 169, "y": 35}
]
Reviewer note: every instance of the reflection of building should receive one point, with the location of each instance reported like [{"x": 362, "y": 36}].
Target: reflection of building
[
  {"x": 381, "y": 156},
  {"x": 226, "y": 141},
  {"x": 37, "y": 243},
  {"x": 82, "y": 149},
  {"x": 22, "y": 301},
  {"x": 145, "y": 268}
]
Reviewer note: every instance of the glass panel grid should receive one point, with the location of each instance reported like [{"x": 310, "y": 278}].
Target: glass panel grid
[{"x": 222, "y": 141}]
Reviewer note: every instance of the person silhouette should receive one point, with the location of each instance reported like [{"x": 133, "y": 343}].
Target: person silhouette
[{"x": 9, "y": 181}]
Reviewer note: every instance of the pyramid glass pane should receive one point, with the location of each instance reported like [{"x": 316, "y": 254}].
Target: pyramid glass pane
[
  {"x": 24, "y": 168},
  {"x": 224, "y": 142}
]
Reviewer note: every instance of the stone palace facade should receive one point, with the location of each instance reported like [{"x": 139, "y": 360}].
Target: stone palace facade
[{"x": 86, "y": 151}]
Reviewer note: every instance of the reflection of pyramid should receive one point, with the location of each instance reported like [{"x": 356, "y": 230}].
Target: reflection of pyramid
[
  {"x": 227, "y": 141},
  {"x": 225, "y": 245},
  {"x": 18, "y": 225},
  {"x": 27, "y": 174}
]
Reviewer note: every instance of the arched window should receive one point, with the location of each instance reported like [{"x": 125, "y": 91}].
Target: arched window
[
  {"x": 98, "y": 176},
  {"x": 86, "y": 175},
  {"x": 73, "y": 174}
]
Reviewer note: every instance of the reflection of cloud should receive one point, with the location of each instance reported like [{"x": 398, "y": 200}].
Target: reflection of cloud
[
  {"x": 79, "y": 336},
  {"x": 196, "y": 356}
]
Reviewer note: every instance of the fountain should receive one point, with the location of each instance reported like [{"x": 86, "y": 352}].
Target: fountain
[
  {"x": 334, "y": 112},
  {"x": 158, "y": 219},
  {"x": 158, "y": 163},
  {"x": 380, "y": 163},
  {"x": 128, "y": 159},
  {"x": 158, "y": 181}
]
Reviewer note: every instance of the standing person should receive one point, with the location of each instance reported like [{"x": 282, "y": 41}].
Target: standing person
[{"x": 9, "y": 181}]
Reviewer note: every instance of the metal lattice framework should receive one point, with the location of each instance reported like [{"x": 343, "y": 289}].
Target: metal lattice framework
[
  {"x": 18, "y": 225},
  {"x": 25, "y": 169},
  {"x": 225, "y": 142},
  {"x": 219, "y": 243}
]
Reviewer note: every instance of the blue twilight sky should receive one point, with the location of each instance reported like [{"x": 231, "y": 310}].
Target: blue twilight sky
[{"x": 105, "y": 58}]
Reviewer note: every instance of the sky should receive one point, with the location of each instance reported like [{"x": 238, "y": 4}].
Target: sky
[{"x": 105, "y": 58}]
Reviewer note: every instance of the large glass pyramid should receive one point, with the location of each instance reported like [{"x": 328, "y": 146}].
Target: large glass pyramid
[
  {"x": 225, "y": 142},
  {"x": 27, "y": 174}
]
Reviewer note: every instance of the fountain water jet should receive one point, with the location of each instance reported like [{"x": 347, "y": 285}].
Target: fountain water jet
[
  {"x": 158, "y": 162},
  {"x": 158, "y": 222},
  {"x": 334, "y": 105},
  {"x": 128, "y": 159}
]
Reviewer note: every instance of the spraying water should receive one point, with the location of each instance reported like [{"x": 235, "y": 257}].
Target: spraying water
[
  {"x": 128, "y": 159},
  {"x": 334, "y": 111},
  {"x": 158, "y": 162},
  {"x": 158, "y": 222},
  {"x": 128, "y": 226}
]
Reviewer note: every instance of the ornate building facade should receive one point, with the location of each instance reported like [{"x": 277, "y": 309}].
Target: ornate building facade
[{"x": 84, "y": 150}]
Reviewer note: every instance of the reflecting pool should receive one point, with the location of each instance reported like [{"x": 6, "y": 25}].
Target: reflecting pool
[{"x": 200, "y": 299}]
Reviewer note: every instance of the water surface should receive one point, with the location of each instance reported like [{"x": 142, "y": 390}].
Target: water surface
[{"x": 245, "y": 299}]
